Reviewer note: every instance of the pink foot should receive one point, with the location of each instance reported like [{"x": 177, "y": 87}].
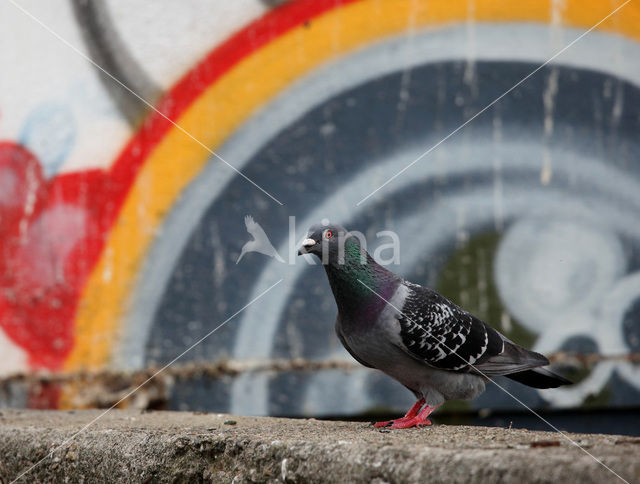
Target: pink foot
[
  {"x": 386, "y": 423},
  {"x": 414, "y": 417},
  {"x": 413, "y": 422},
  {"x": 393, "y": 423}
]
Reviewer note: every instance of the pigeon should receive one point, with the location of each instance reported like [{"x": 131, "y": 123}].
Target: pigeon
[
  {"x": 413, "y": 334},
  {"x": 260, "y": 242}
]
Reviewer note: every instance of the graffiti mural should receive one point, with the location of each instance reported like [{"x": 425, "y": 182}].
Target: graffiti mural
[{"x": 526, "y": 216}]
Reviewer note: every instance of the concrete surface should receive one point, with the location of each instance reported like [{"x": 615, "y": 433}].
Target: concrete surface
[{"x": 134, "y": 446}]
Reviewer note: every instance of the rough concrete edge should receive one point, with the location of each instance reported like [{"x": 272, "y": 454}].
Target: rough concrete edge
[{"x": 139, "y": 455}]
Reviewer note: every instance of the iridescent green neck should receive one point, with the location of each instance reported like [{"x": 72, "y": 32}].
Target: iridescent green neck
[{"x": 359, "y": 284}]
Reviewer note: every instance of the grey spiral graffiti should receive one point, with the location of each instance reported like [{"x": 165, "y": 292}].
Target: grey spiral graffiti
[{"x": 550, "y": 174}]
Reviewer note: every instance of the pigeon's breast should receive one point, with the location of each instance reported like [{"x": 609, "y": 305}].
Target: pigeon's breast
[{"x": 379, "y": 342}]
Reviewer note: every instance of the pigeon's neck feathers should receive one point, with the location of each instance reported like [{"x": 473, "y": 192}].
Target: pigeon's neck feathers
[{"x": 360, "y": 285}]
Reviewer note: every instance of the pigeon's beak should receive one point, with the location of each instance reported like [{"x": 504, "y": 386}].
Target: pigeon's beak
[{"x": 306, "y": 245}]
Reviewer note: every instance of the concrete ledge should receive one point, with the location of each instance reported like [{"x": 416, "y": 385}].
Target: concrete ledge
[{"x": 130, "y": 446}]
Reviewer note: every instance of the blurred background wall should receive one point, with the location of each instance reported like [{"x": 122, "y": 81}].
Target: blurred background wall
[{"x": 119, "y": 232}]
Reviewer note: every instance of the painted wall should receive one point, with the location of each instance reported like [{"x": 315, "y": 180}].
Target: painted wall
[{"x": 120, "y": 230}]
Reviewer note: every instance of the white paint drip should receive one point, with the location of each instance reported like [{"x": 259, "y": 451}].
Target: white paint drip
[{"x": 14, "y": 359}]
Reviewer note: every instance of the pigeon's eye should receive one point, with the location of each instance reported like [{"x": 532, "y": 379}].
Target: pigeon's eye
[{"x": 328, "y": 234}]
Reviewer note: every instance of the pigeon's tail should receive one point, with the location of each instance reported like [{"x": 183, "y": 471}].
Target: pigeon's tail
[
  {"x": 523, "y": 366},
  {"x": 539, "y": 378}
]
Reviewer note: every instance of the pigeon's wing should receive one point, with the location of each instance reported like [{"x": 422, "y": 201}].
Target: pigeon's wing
[
  {"x": 346, "y": 346},
  {"x": 439, "y": 333}
]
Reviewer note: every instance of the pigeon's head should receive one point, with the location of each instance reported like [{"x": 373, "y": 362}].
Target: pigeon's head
[{"x": 325, "y": 241}]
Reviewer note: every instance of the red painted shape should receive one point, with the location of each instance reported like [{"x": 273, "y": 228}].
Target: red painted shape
[
  {"x": 38, "y": 302},
  {"x": 41, "y": 230},
  {"x": 43, "y": 396}
]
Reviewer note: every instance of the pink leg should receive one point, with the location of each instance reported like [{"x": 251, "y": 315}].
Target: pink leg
[
  {"x": 411, "y": 414},
  {"x": 419, "y": 420}
]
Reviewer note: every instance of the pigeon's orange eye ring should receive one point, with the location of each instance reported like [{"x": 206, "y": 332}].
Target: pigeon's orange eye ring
[{"x": 328, "y": 234}]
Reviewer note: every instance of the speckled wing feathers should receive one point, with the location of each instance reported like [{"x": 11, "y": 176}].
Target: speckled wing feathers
[{"x": 442, "y": 335}]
